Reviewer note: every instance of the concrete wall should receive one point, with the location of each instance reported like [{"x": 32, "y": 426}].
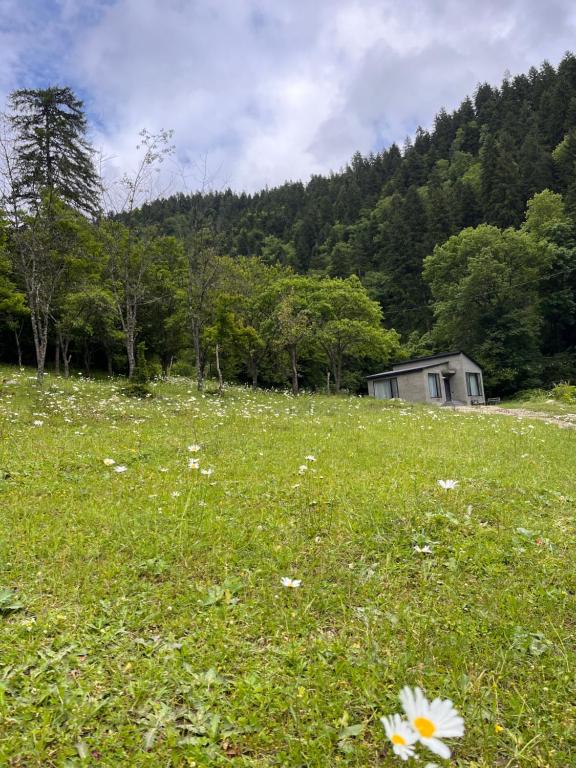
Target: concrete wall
[{"x": 464, "y": 365}]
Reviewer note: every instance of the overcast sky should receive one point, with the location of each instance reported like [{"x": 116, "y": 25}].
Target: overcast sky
[{"x": 270, "y": 90}]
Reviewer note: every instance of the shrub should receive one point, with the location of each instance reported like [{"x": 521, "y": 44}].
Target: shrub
[
  {"x": 564, "y": 392},
  {"x": 531, "y": 394},
  {"x": 182, "y": 368},
  {"x": 138, "y": 385},
  {"x": 135, "y": 389}
]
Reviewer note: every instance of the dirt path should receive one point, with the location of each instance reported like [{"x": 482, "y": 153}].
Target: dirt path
[{"x": 564, "y": 421}]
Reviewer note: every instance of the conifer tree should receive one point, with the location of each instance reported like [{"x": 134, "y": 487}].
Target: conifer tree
[{"x": 52, "y": 149}]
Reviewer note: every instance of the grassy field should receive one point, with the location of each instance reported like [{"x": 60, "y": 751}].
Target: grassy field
[{"x": 145, "y": 622}]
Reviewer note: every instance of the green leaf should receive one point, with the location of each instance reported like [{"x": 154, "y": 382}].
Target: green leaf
[{"x": 9, "y": 603}]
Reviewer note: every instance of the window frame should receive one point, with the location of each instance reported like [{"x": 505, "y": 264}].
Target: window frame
[
  {"x": 470, "y": 376},
  {"x": 390, "y": 384},
  {"x": 434, "y": 377}
]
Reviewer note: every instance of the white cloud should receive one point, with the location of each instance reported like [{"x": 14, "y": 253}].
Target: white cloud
[{"x": 266, "y": 90}]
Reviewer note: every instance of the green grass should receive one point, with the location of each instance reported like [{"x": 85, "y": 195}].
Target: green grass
[
  {"x": 155, "y": 630},
  {"x": 543, "y": 405}
]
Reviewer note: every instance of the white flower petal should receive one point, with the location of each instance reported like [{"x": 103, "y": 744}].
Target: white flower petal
[{"x": 438, "y": 747}]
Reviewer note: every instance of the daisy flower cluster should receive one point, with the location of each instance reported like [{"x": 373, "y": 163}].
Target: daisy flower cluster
[{"x": 426, "y": 723}]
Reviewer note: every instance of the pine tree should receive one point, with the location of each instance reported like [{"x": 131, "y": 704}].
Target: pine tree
[
  {"x": 500, "y": 182},
  {"x": 53, "y": 153},
  {"x": 536, "y": 167}
]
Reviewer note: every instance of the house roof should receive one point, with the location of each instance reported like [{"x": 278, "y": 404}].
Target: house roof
[
  {"x": 417, "y": 367},
  {"x": 402, "y": 371},
  {"x": 441, "y": 354}
]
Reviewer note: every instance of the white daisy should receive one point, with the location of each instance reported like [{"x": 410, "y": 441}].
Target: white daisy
[
  {"x": 425, "y": 550},
  {"x": 194, "y": 448},
  {"x": 193, "y": 464},
  {"x": 401, "y": 736},
  {"x": 206, "y": 471},
  {"x": 448, "y": 485},
  {"x": 120, "y": 468},
  {"x": 432, "y": 721},
  {"x": 310, "y": 458},
  {"x": 109, "y": 462},
  {"x": 302, "y": 468},
  {"x": 291, "y": 583}
]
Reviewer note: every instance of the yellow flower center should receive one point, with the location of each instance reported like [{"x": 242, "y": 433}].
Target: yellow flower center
[
  {"x": 424, "y": 727},
  {"x": 397, "y": 739}
]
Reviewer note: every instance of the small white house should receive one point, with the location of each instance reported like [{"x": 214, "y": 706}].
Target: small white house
[{"x": 452, "y": 378}]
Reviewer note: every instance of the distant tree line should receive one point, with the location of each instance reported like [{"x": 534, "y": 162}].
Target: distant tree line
[{"x": 463, "y": 238}]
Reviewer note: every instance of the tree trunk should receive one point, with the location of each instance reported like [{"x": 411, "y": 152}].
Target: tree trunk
[
  {"x": 220, "y": 380},
  {"x": 129, "y": 327},
  {"x": 66, "y": 357},
  {"x": 108, "y": 361},
  {"x": 198, "y": 356},
  {"x": 337, "y": 376},
  {"x": 57, "y": 356},
  {"x": 18, "y": 348},
  {"x": 86, "y": 360},
  {"x": 130, "y": 352},
  {"x": 328, "y": 382},
  {"x": 40, "y": 333},
  {"x": 294, "y": 363},
  {"x": 253, "y": 371}
]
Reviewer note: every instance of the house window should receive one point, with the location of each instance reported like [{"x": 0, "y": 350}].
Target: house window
[
  {"x": 473, "y": 384},
  {"x": 386, "y": 389},
  {"x": 434, "y": 384}
]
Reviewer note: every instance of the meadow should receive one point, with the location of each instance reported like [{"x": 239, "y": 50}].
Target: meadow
[{"x": 143, "y": 617}]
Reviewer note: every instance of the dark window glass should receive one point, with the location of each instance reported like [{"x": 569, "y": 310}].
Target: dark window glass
[
  {"x": 386, "y": 389},
  {"x": 434, "y": 384},
  {"x": 473, "y": 384}
]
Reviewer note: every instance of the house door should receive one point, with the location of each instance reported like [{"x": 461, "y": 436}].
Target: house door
[{"x": 448, "y": 390}]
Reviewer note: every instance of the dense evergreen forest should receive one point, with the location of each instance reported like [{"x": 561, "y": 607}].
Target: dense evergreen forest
[{"x": 463, "y": 238}]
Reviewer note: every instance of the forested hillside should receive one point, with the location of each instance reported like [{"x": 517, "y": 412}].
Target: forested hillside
[
  {"x": 463, "y": 238},
  {"x": 384, "y": 213}
]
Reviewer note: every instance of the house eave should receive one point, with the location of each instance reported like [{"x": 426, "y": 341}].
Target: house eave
[{"x": 404, "y": 371}]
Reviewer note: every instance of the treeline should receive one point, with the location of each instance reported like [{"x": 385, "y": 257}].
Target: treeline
[{"x": 464, "y": 238}]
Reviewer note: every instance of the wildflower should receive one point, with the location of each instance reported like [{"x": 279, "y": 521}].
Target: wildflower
[
  {"x": 291, "y": 583},
  {"x": 310, "y": 458},
  {"x": 448, "y": 485},
  {"x": 401, "y": 736},
  {"x": 425, "y": 550},
  {"x": 193, "y": 464},
  {"x": 38, "y": 422},
  {"x": 431, "y": 721},
  {"x": 194, "y": 448},
  {"x": 120, "y": 468},
  {"x": 302, "y": 468},
  {"x": 207, "y": 472},
  {"x": 109, "y": 462}
]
